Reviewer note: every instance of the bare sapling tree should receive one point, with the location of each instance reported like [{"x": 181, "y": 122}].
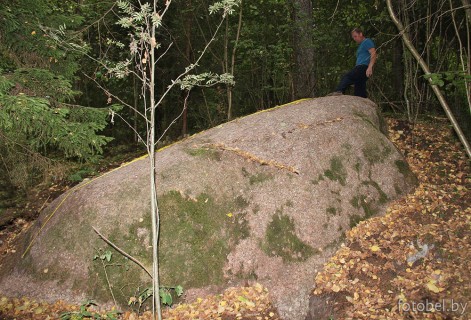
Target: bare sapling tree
[
  {"x": 144, "y": 22},
  {"x": 425, "y": 68}
]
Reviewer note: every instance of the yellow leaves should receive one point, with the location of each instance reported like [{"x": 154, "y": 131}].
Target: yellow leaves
[
  {"x": 336, "y": 288},
  {"x": 249, "y": 303},
  {"x": 432, "y": 286},
  {"x": 375, "y": 248},
  {"x": 436, "y": 214}
]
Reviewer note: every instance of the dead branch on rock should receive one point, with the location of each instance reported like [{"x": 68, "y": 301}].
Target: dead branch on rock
[
  {"x": 251, "y": 157},
  {"x": 122, "y": 252}
]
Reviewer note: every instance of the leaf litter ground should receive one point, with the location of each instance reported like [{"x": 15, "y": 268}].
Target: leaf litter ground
[{"x": 411, "y": 263}]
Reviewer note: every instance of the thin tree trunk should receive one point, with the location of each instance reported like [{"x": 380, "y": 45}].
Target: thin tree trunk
[
  {"x": 426, "y": 70},
  {"x": 467, "y": 8},
  {"x": 303, "y": 49},
  {"x": 136, "y": 101},
  {"x": 234, "y": 49},
  {"x": 188, "y": 21},
  {"x": 468, "y": 67},
  {"x": 153, "y": 186},
  {"x": 398, "y": 69}
]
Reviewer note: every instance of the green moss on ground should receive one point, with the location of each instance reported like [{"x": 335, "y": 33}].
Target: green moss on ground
[
  {"x": 337, "y": 171},
  {"x": 281, "y": 240}
]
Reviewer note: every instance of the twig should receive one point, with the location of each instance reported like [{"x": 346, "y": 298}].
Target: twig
[
  {"x": 39, "y": 211},
  {"x": 108, "y": 281},
  {"x": 335, "y": 11},
  {"x": 122, "y": 252}
]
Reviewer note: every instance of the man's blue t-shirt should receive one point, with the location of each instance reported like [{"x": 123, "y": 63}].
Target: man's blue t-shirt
[{"x": 363, "y": 55}]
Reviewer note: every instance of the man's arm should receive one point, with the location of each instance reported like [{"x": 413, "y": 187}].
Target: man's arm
[{"x": 369, "y": 71}]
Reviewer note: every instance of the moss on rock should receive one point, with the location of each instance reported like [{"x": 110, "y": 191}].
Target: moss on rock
[
  {"x": 208, "y": 233},
  {"x": 260, "y": 178},
  {"x": 208, "y": 153},
  {"x": 370, "y": 208},
  {"x": 337, "y": 171},
  {"x": 376, "y": 152},
  {"x": 331, "y": 211},
  {"x": 281, "y": 240},
  {"x": 404, "y": 169}
]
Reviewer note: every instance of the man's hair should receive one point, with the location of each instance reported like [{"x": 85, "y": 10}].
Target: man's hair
[{"x": 357, "y": 30}]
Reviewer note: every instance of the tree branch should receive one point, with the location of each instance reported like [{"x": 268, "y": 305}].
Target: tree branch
[{"x": 122, "y": 252}]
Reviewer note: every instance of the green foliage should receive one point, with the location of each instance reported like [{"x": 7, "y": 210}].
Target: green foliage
[
  {"x": 104, "y": 255},
  {"x": 166, "y": 296},
  {"x": 43, "y": 83},
  {"x": 85, "y": 313},
  {"x": 25, "y": 44},
  {"x": 81, "y": 174},
  {"x": 448, "y": 79},
  {"x": 227, "y": 6},
  {"x": 42, "y": 126}
]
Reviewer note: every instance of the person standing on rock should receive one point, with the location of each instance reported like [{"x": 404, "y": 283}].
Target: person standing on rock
[{"x": 366, "y": 58}]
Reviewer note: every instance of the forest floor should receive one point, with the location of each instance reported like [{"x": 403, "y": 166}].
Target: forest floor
[{"x": 411, "y": 263}]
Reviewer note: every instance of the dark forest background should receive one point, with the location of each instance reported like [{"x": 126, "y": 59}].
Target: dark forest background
[{"x": 56, "y": 93}]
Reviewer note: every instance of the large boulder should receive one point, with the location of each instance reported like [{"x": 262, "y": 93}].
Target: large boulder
[{"x": 266, "y": 198}]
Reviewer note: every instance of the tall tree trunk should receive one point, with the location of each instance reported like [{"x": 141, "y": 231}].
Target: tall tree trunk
[
  {"x": 467, "y": 6},
  {"x": 426, "y": 70},
  {"x": 303, "y": 75},
  {"x": 398, "y": 70}
]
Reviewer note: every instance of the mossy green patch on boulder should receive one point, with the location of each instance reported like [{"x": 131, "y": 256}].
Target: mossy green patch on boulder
[
  {"x": 383, "y": 197},
  {"x": 124, "y": 277},
  {"x": 404, "y": 169},
  {"x": 281, "y": 240},
  {"x": 370, "y": 208},
  {"x": 337, "y": 171},
  {"x": 319, "y": 178},
  {"x": 376, "y": 152},
  {"x": 260, "y": 178},
  {"x": 208, "y": 231},
  {"x": 331, "y": 211},
  {"x": 382, "y": 126},
  {"x": 207, "y": 153}
]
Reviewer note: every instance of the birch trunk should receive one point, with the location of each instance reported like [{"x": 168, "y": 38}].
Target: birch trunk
[{"x": 426, "y": 70}]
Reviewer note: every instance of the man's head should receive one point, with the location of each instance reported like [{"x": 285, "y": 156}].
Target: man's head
[{"x": 357, "y": 35}]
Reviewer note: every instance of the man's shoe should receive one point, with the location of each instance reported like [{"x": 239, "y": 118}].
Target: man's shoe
[{"x": 335, "y": 93}]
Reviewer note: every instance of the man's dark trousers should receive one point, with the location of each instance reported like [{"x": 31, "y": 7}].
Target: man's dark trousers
[{"x": 357, "y": 77}]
